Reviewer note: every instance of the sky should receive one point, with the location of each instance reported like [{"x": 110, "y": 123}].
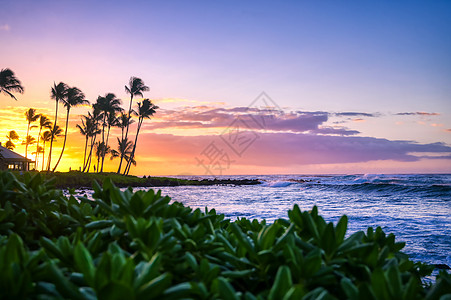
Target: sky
[{"x": 245, "y": 87}]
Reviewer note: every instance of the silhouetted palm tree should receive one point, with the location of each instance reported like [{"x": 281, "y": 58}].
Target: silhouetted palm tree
[
  {"x": 124, "y": 149},
  {"x": 109, "y": 105},
  {"x": 47, "y": 136},
  {"x": 9, "y": 83},
  {"x": 58, "y": 93},
  {"x": 123, "y": 122},
  {"x": 28, "y": 141},
  {"x": 136, "y": 88},
  {"x": 94, "y": 119},
  {"x": 74, "y": 97},
  {"x": 146, "y": 109},
  {"x": 31, "y": 117},
  {"x": 12, "y": 136},
  {"x": 44, "y": 122}
]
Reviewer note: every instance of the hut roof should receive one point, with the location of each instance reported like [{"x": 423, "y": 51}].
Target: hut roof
[{"x": 9, "y": 155}]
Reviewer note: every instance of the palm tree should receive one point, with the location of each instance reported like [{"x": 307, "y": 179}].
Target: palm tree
[
  {"x": 38, "y": 151},
  {"x": 84, "y": 130},
  {"x": 109, "y": 105},
  {"x": 124, "y": 150},
  {"x": 123, "y": 122},
  {"x": 146, "y": 109},
  {"x": 58, "y": 93},
  {"x": 44, "y": 122},
  {"x": 28, "y": 141},
  {"x": 12, "y": 135},
  {"x": 9, "y": 83},
  {"x": 74, "y": 97},
  {"x": 92, "y": 121},
  {"x": 31, "y": 117},
  {"x": 136, "y": 88},
  {"x": 47, "y": 136}
]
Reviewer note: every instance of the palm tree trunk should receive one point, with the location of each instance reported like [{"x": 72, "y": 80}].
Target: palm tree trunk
[
  {"x": 43, "y": 156},
  {"x": 106, "y": 146},
  {"x": 26, "y": 140},
  {"x": 88, "y": 162},
  {"x": 126, "y": 132},
  {"x": 51, "y": 139},
  {"x": 64, "y": 143},
  {"x": 84, "y": 155},
  {"x": 37, "y": 147},
  {"x": 132, "y": 155}
]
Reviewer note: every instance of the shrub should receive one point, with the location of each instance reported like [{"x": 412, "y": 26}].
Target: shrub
[{"x": 136, "y": 245}]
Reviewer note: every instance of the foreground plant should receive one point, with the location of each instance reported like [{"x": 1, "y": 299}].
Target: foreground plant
[{"x": 138, "y": 245}]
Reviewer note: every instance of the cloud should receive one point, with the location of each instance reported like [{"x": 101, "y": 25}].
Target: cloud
[
  {"x": 356, "y": 114},
  {"x": 5, "y": 27},
  {"x": 249, "y": 118},
  {"x": 418, "y": 113},
  {"x": 287, "y": 149}
]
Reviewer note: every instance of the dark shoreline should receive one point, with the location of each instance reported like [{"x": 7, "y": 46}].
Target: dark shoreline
[{"x": 79, "y": 180}]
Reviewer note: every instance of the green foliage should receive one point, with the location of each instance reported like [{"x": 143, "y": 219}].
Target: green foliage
[{"x": 136, "y": 245}]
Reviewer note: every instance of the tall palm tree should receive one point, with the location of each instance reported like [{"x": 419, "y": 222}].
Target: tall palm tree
[
  {"x": 93, "y": 119},
  {"x": 124, "y": 150},
  {"x": 74, "y": 97},
  {"x": 31, "y": 117},
  {"x": 44, "y": 122},
  {"x": 12, "y": 135},
  {"x": 136, "y": 88},
  {"x": 59, "y": 94},
  {"x": 38, "y": 151},
  {"x": 84, "y": 130},
  {"x": 146, "y": 109},
  {"x": 109, "y": 105},
  {"x": 29, "y": 140},
  {"x": 123, "y": 122},
  {"x": 47, "y": 136},
  {"x": 9, "y": 83}
]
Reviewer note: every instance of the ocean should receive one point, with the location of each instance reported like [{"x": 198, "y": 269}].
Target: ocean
[{"x": 416, "y": 208}]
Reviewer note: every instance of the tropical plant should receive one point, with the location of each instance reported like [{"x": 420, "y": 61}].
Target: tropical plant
[
  {"x": 92, "y": 129},
  {"x": 47, "y": 136},
  {"x": 31, "y": 117},
  {"x": 146, "y": 109},
  {"x": 29, "y": 140},
  {"x": 108, "y": 105},
  {"x": 44, "y": 122},
  {"x": 136, "y": 88},
  {"x": 11, "y": 136},
  {"x": 124, "y": 150},
  {"x": 9, "y": 83},
  {"x": 74, "y": 97},
  {"x": 141, "y": 245},
  {"x": 59, "y": 94}
]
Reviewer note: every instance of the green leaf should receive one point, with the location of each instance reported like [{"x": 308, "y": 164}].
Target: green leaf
[
  {"x": 155, "y": 287},
  {"x": 282, "y": 283},
  {"x": 84, "y": 263}
]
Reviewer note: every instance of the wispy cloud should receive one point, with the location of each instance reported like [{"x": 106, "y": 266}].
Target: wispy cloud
[
  {"x": 5, "y": 27},
  {"x": 418, "y": 113},
  {"x": 356, "y": 114},
  {"x": 251, "y": 118},
  {"x": 286, "y": 149}
]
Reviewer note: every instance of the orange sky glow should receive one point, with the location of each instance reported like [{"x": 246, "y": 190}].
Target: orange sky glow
[{"x": 347, "y": 88}]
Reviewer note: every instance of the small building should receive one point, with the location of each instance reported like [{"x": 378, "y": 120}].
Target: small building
[{"x": 10, "y": 160}]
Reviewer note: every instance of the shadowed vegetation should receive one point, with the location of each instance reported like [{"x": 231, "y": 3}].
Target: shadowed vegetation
[{"x": 139, "y": 245}]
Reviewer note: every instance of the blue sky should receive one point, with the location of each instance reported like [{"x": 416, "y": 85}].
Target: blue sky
[{"x": 381, "y": 58}]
